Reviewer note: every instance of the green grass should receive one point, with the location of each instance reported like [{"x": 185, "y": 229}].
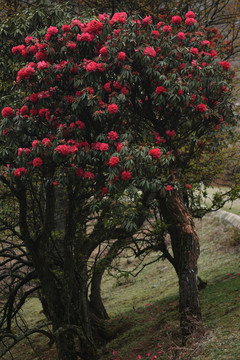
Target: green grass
[
  {"x": 232, "y": 207},
  {"x": 152, "y": 324},
  {"x": 145, "y": 309}
]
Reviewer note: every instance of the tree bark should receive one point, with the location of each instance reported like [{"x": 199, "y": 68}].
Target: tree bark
[
  {"x": 185, "y": 246},
  {"x": 96, "y": 304}
]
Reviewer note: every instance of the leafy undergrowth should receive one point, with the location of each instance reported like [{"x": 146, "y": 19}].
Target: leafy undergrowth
[{"x": 145, "y": 308}]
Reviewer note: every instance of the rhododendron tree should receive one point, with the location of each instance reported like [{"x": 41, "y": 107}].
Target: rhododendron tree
[{"x": 110, "y": 105}]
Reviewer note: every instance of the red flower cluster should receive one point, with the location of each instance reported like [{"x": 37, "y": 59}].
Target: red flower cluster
[
  {"x": 201, "y": 108},
  {"x": 88, "y": 175},
  {"x": 112, "y": 109},
  {"x": 194, "y": 51},
  {"x": 155, "y": 153},
  {"x": 149, "y": 51},
  {"x": 167, "y": 28},
  {"x": 121, "y": 56},
  {"x": 7, "y": 111},
  {"x": 79, "y": 172},
  {"x": 113, "y": 135},
  {"x": 19, "y": 171},
  {"x": 126, "y": 175},
  {"x": 160, "y": 90},
  {"x": 190, "y": 21},
  {"x": 113, "y": 161},
  {"x": 181, "y": 36},
  {"x": 37, "y": 162},
  {"x": 92, "y": 66},
  {"x": 176, "y": 20},
  {"x": 225, "y": 64},
  {"x": 118, "y": 17},
  {"x": 103, "y": 51},
  {"x": 94, "y": 27},
  {"x": 171, "y": 133},
  {"x": 66, "y": 149}
]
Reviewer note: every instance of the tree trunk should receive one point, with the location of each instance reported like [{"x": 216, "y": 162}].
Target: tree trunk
[
  {"x": 185, "y": 246},
  {"x": 96, "y": 304}
]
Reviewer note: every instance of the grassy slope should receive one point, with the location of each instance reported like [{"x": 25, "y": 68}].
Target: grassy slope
[
  {"x": 154, "y": 328},
  {"x": 233, "y": 207},
  {"x": 146, "y": 308}
]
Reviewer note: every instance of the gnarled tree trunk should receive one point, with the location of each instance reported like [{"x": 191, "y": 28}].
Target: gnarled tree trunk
[{"x": 185, "y": 246}]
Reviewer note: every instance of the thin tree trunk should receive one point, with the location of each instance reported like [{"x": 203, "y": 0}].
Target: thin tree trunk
[{"x": 96, "y": 304}]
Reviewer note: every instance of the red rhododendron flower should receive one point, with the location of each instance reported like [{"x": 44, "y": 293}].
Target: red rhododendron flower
[
  {"x": 71, "y": 45},
  {"x": 37, "y": 162},
  {"x": 201, "y": 108},
  {"x": 113, "y": 135},
  {"x": 225, "y": 64},
  {"x": 42, "y": 65},
  {"x": 188, "y": 186},
  {"x": 149, "y": 51},
  {"x": 88, "y": 175},
  {"x": 190, "y": 14},
  {"x": 194, "y": 51},
  {"x": 119, "y": 146},
  {"x": 205, "y": 43},
  {"x": 121, "y": 56},
  {"x": 107, "y": 86},
  {"x": 213, "y": 53},
  {"x": 76, "y": 22},
  {"x": 167, "y": 28},
  {"x": 34, "y": 112},
  {"x": 104, "y": 190},
  {"x": 19, "y": 171},
  {"x": 33, "y": 49},
  {"x": 147, "y": 20},
  {"x": 94, "y": 26},
  {"x": 18, "y": 49},
  {"x": 35, "y": 143},
  {"x": 85, "y": 37},
  {"x": 170, "y": 133},
  {"x": 124, "y": 91},
  {"x": 104, "y": 147},
  {"x": 117, "y": 85},
  {"x": 52, "y": 30},
  {"x": 66, "y": 28},
  {"x": 155, "y": 153},
  {"x": 103, "y": 17},
  {"x": 46, "y": 142},
  {"x": 112, "y": 109},
  {"x": 118, "y": 17},
  {"x": 63, "y": 149},
  {"x": 176, "y": 20},
  {"x": 7, "y": 111},
  {"x": 103, "y": 51},
  {"x": 126, "y": 175},
  {"x": 160, "y": 90},
  {"x": 24, "y": 110},
  {"x": 169, "y": 188},
  {"x": 181, "y": 36},
  {"x": 33, "y": 98},
  {"x": 91, "y": 66},
  {"x": 155, "y": 33},
  {"x": 190, "y": 21},
  {"x": 79, "y": 172},
  {"x": 43, "y": 112},
  {"x": 113, "y": 161}
]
